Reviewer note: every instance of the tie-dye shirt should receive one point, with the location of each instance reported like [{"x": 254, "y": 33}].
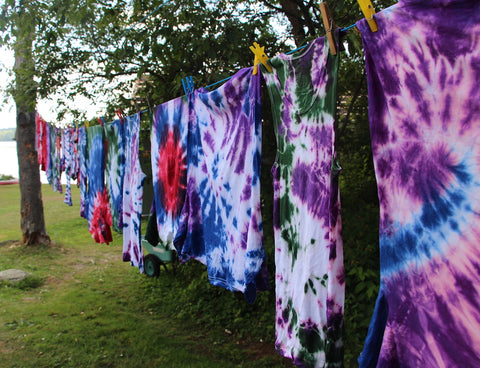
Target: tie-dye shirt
[
  {"x": 423, "y": 68},
  {"x": 68, "y": 160},
  {"x": 99, "y": 216},
  {"x": 41, "y": 141},
  {"x": 50, "y": 153},
  {"x": 54, "y": 165},
  {"x": 221, "y": 225},
  {"x": 82, "y": 171},
  {"x": 132, "y": 194},
  {"x": 169, "y": 163},
  {"x": 309, "y": 280},
  {"x": 115, "y": 170}
]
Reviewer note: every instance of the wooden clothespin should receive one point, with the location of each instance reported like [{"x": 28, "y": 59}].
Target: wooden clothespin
[
  {"x": 120, "y": 114},
  {"x": 368, "y": 11},
  {"x": 260, "y": 57},
  {"x": 329, "y": 25}
]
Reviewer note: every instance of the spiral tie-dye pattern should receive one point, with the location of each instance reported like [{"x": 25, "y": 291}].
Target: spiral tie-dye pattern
[
  {"x": 423, "y": 68},
  {"x": 98, "y": 208},
  {"x": 221, "y": 224},
  {"x": 169, "y": 163}
]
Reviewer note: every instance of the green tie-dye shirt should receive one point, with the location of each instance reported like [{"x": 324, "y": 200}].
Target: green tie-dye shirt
[{"x": 310, "y": 287}]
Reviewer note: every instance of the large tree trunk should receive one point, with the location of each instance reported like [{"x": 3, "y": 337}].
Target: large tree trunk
[{"x": 32, "y": 217}]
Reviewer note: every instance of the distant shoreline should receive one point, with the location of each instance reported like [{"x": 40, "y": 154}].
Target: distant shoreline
[{"x": 7, "y": 135}]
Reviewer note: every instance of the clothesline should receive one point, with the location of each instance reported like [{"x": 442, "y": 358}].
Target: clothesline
[{"x": 345, "y": 29}]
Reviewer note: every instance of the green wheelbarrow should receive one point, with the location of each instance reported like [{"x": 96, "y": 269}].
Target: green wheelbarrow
[{"x": 158, "y": 256}]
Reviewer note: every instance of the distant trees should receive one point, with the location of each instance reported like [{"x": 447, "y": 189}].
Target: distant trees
[{"x": 7, "y": 135}]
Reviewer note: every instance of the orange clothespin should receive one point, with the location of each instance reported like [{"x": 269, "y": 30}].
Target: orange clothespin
[
  {"x": 329, "y": 26},
  {"x": 260, "y": 57},
  {"x": 368, "y": 12}
]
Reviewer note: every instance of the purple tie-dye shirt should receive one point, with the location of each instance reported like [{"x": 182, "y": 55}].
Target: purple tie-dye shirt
[
  {"x": 423, "y": 68},
  {"x": 221, "y": 224}
]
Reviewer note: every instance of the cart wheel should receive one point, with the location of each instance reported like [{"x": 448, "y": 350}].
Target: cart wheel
[{"x": 152, "y": 265}]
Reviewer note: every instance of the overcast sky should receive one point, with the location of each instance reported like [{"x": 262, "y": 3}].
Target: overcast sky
[
  {"x": 47, "y": 109},
  {"x": 7, "y": 112}
]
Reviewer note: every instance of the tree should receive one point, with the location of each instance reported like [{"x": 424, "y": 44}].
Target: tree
[{"x": 32, "y": 216}]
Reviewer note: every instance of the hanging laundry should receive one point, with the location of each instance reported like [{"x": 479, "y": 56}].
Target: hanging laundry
[
  {"x": 132, "y": 194},
  {"x": 68, "y": 159},
  {"x": 53, "y": 169},
  {"x": 221, "y": 225},
  {"x": 169, "y": 165},
  {"x": 82, "y": 172},
  {"x": 41, "y": 141},
  {"x": 115, "y": 170},
  {"x": 48, "y": 152},
  {"x": 310, "y": 286},
  {"x": 99, "y": 216},
  {"x": 423, "y": 68}
]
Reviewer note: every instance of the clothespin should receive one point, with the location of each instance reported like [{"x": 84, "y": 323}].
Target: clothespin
[
  {"x": 120, "y": 114},
  {"x": 329, "y": 25},
  {"x": 87, "y": 124},
  {"x": 191, "y": 85},
  {"x": 260, "y": 57},
  {"x": 188, "y": 85},
  {"x": 368, "y": 12},
  {"x": 100, "y": 121}
]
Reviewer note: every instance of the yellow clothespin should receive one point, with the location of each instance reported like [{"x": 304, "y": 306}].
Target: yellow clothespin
[
  {"x": 260, "y": 57},
  {"x": 329, "y": 25},
  {"x": 86, "y": 124},
  {"x": 368, "y": 12}
]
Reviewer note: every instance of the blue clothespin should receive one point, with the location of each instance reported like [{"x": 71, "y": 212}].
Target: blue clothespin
[
  {"x": 185, "y": 88},
  {"x": 188, "y": 85},
  {"x": 191, "y": 85}
]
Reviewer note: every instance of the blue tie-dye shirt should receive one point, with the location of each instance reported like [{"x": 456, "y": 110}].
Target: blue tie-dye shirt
[{"x": 221, "y": 225}]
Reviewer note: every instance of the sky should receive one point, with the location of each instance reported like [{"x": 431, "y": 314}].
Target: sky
[
  {"x": 7, "y": 111},
  {"x": 46, "y": 108}
]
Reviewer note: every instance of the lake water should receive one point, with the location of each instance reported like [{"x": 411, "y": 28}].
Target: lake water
[{"x": 9, "y": 162}]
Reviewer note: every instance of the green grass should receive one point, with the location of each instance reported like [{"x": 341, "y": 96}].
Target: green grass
[{"x": 84, "y": 307}]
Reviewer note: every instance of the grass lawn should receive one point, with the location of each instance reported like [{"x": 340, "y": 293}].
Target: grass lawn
[{"x": 84, "y": 307}]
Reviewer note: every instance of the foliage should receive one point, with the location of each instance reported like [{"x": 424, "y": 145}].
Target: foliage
[{"x": 6, "y": 177}]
